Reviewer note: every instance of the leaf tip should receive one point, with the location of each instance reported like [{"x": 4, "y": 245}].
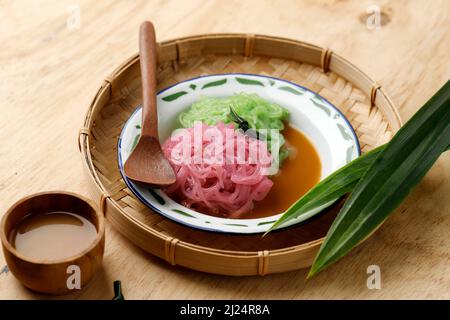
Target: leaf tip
[
  {"x": 316, "y": 267},
  {"x": 270, "y": 229},
  {"x": 310, "y": 274}
]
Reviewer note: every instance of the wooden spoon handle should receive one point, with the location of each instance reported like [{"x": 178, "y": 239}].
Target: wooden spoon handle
[{"x": 147, "y": 52}]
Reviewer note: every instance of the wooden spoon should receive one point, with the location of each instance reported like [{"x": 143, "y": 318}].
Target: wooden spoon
[{"x": 147, "y": 163}]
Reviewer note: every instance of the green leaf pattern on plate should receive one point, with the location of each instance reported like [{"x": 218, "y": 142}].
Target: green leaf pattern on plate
[
  {"x": 135, "y": 141},
  {"x": 349, "y": 154},
  {"x": 184, "y": 213},
  {"x": 247, "y": 81},
  {"x": 266, "y": 222},
  {"x": 174, "y": 96},
  {"x": 235, "y": 224},
  {"x": 214, "y": 83},
  {"x": 344, "y": 133},
  {"x": 320, "y": 105},
  {"x": 319, "y": 98},
  {"x": 157, "y": 197},
  {"x": 292, "y": 90}
]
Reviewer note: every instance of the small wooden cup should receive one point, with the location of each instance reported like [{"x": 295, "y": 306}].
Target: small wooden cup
[{"x": 46, "y": 276}]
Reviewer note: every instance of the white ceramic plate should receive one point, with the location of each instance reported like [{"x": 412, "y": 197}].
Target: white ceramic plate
[{"x": 325, "y": 126}]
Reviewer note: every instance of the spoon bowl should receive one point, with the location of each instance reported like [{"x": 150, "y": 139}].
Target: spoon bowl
[{"x": 147, "y": 164}]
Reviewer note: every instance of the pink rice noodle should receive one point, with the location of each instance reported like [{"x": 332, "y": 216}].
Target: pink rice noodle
[{"x": 224, "y": 188}]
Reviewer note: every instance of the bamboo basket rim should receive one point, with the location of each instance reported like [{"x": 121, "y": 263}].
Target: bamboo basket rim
[{"x": 328, "y": 61}]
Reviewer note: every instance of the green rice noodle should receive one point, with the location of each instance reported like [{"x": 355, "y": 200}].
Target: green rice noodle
[{"x": 259, "y": 113}]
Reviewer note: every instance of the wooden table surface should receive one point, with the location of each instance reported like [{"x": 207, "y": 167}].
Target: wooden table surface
[{"x": 50, "y": 69}]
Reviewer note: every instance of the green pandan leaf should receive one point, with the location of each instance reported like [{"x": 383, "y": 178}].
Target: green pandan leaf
[
  {"x": 399, "y": 167},
  {"x": 336, "y": 185},
  {"x": 378, "y": 180}
]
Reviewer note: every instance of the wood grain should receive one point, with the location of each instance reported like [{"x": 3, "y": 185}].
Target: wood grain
[{"x": 49, "y": 74}]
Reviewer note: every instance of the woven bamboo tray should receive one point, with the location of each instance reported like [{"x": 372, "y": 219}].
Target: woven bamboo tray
[{"x": 364, "y": 103}]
